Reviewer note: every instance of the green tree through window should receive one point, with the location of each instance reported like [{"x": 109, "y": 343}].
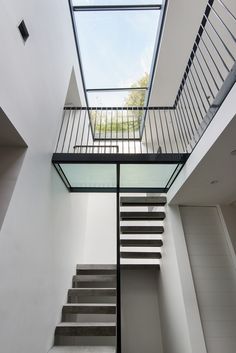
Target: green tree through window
[{"x": 122, "y": 122}]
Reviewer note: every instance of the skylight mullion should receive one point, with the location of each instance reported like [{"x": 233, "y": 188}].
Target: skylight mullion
[
  {"x": 115, "y": 89},
  {"x": 118, "y": 7}
]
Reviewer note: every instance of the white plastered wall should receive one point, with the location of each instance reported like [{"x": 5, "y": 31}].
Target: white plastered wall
[
  {"x": 180, "y": 319},
  {"x": 41, "y": 239}
]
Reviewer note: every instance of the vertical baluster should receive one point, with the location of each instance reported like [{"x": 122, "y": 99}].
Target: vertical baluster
[
  {"x": 202, "y": 87},
  {"x": 195, "y": 97},
  {"x": 168, "y": 132},
  {"x": 64, "y": 140},
  {"x": 128, "y": 129},
  {"x": 83, "y": 124},
  {"x": 122, "y": 123},
  {"x": 180, "y": 116},
  {"x": 227, "y": 9},
  {"x": 205, "y": 78},
  {"x": 223, "y": 23},
  {"x": 77, "y": 131},
  {"x": 184, "y": 116},
  {"x": 163, "y": 135},
  {"x": 191, "y": 101},
  {"x": 117, "y": 127},
  {"x": 150, "y": 127},
  {"x": 180, "y": 130},
  {"x": 209, "y": 69},
  {"x": 212, "y": 58},
  {"x": 140, "y": 134},
  {"x": 62, "y": 123},
  {"x": 190, "y": 120},
  {"x": 173, "y": 128},
  {"x": 71, "y": 133},
  {"x": 157, "y": 135}
]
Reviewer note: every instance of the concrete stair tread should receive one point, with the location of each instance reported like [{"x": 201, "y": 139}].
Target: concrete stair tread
[
  {"x": 83, "y": 349},
  {"x": 142, "y": 216},
  {"x": 92, "y": 290},
  {"x": 86, "y": 324},
  {"x": 91, "y": 278},
  {"x": 135, "y": 266},
  {"x": 143, "y": 201},
  {"x": 140, "y": 262},
  {"x": 140, "y": 255},
  {"x": 89, "y": 304},
  {"x": 96, "y": 269},
  {"x": 89, "y": 308},
  {"x": 142, "y": 229},
  {"x": 141, "y": 242},
  {"x": 83, "y": 329}
]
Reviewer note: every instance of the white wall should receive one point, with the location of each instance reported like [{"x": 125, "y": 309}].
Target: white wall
[
  {"x": 100, "y": 232},
  {"x": 41, "y": 237},
  {"x": 141, "y": 327},
  {"x": 180, "y": 320},
  {"x": 229, "y": 214},
  {"x": 214, "y": 276}
]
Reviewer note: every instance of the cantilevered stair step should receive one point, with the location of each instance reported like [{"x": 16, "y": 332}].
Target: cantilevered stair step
[
  {"x": 83, "y": 349},
  {"x": 142, "y": 230},
  {"x": 86, "y": 329},
  {"x": 95, "y": 269},
  {"x": 142, "y": 216},
  {"x": 89, "y": 309},
  {"x": 143, "y": 201},
  {"x": 94, "y": 281},
  {"x": 140, "y": 255},
  {"x": 141, "y": 242},
  {"x": 138, "y": 266},
  {"x": 92, "y": 292}
]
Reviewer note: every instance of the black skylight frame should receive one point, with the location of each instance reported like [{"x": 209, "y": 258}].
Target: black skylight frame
[{"x": 161, "y": 7}]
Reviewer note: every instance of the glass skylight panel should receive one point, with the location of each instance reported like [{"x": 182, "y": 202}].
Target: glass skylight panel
[
  {"x": 124, "y": 98},
  {"x": 116, "y": 49}
]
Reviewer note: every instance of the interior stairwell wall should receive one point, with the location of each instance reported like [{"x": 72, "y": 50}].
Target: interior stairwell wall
[
  {"x": 214, "y": 276},
  {"x": 40, "y": 239},
  {"x": 179, "y": 315},
  {"x": 141, "y": 326},
  {"x": 229, "y": 218}
]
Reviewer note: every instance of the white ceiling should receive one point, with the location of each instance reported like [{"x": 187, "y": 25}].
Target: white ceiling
[
  {"x": 218, "y": 164},
  {"x": 182, "y": 22}
]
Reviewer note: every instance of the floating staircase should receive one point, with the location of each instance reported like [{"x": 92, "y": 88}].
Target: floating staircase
[
  {"x": 141, "y": 230},
  {"x": 89, "y": 317}
]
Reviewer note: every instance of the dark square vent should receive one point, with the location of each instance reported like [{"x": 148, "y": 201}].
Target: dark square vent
[{"x": 23, "y": 31}]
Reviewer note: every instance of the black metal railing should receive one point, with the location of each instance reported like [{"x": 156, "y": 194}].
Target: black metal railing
[
  {"x": 208, "y": 77},
  {"x": 120, "y": 130}
]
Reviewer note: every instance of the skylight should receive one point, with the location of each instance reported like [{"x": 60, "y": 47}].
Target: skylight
[{"x": 117, "y": 43}]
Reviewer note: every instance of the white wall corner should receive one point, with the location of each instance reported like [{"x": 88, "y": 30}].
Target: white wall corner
[
  {"x": 196, "y": 334},
  {"x": 227, "y": 235}
]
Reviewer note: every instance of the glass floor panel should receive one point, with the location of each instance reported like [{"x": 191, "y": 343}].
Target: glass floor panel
[
  {"x": 145, "y": 175},
  {"x": 103, "y": 176},
  {"x": 90, "y": 175}
]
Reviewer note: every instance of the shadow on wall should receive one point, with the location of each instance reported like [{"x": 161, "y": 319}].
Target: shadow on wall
[{"x": 12, "y": 152}]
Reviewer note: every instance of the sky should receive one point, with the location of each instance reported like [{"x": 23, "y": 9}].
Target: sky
[{"x": 116, "y": 48}]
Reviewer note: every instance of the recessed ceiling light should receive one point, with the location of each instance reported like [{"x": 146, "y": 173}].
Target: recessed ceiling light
[
  {"x": 214, "y": 182},
  {"x": 233, "y": 153}
]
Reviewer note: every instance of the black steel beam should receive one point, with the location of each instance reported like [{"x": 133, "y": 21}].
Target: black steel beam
[{"x": 159, "y": 158}]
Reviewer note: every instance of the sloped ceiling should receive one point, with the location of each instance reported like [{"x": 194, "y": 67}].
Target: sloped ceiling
[{"x": 181, "y": 25}]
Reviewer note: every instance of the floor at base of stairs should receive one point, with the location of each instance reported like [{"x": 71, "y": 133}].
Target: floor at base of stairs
[{"x": 93, "y": 349}]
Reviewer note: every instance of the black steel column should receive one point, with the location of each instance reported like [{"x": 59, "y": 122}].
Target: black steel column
[{"x": 118, "y": 285}]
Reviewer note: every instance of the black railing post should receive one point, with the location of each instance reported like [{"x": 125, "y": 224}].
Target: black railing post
[{"x": 118, "y": 281}]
